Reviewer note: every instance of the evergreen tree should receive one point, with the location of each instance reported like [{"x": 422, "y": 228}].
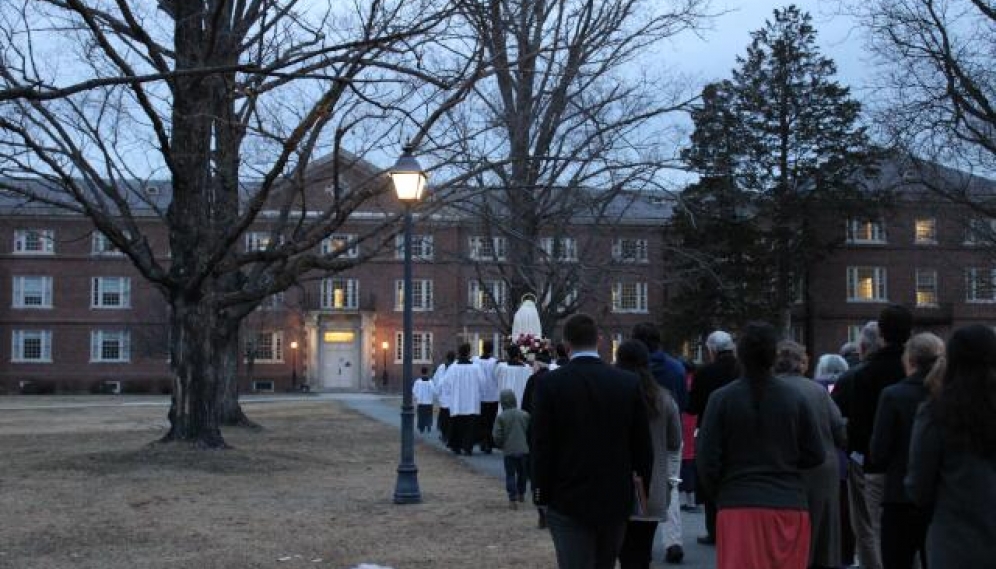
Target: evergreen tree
[{"x": 776, "y": 146}]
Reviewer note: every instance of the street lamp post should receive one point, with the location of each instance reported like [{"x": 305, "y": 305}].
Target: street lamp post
[
  {"x": 409, "y": 184},
  {"x": 293, "y": 346},
  {"x": 383, "y": 364}
]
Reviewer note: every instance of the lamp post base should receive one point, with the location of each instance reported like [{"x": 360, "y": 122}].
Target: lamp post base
[{"x": 406, "y": 489}]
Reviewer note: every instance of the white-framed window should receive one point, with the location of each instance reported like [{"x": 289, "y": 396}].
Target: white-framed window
[
  {"x": 925, "y": 231},
  {"x": 484, "y": 248},
  {"x": 980, "y": 284},
  {"x": 866, "y": 284},
  {"x": 569, "y": 298},
  {"x": 273, "y": 302},
  {"x": 629, "y": 250},
  {"x": 629, "y": 298},
  {"x": 340, "y": 293},
  {"x": 980, "y": 231},
  {"x": 111, "y": 292},
  {"x": 421, "y": 347},
  {"x": 564, "y": 249},
  {"x": 926, "y": 287},
  {"x": 31, "y": 346},
  {"x": 32, "y": 292},
  {"x": 101, "y": 245},
  {"x": 34, "y": 241},
  {"x": 259, "y": 240},
  {"x": 344, "y": 244},
  {"x": 854, "y": 332},
  {"x": 423, "y": 247},
  {"x": 487, "y": 295},
  {"x": 421, "y": 295},
  {"x": 110, "y": 346},
  {"x": 476, "y": 341},
  {"x": 268, "y": 347},
  {"x": 865, "y": 231}
]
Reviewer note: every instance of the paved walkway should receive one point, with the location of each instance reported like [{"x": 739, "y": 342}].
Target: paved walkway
[{"x": 388, "y": 410}]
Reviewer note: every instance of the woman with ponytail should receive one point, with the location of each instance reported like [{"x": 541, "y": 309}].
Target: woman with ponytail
[
  {"x": 757, "y": 435},
  {"x": 903, "y": 524},
  {"x": 952, "y": 459}
]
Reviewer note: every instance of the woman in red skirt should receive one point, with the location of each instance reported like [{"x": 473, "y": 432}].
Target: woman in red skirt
[{"x": 756, "y": 436}]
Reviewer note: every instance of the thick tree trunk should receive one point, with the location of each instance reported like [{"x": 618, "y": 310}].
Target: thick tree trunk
[{"x": 194, "y": 412}]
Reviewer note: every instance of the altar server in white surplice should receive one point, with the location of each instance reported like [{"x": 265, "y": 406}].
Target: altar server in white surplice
[
  {"x": 442, "y": 392},
  {"x": 464, "y": 378},
  {"x": 513, "y": 374},
  {"x": 489, "y": 396}
]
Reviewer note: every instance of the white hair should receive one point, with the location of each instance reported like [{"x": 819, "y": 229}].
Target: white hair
[
  {"x": 720, "y": 341},
  {"x": 830, "y": 365},
  {"x": 870, "y": 339}
]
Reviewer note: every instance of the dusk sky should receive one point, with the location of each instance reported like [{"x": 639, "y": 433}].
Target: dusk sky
[{"x": 713, "y": 56}]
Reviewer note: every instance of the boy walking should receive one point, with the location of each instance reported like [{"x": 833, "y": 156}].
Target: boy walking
[
  {"x": 422, "y": 393},
  {"x": 509, "y": 434}
]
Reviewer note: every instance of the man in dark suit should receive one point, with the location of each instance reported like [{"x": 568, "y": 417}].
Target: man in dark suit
[{"x": 590, "y": 436}]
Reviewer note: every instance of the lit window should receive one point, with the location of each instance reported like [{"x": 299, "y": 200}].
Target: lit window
[
  {"x": 629, "y": 250},
  {"x": 34, "y": 241},
  {"x": 111, "y": 292},
  {"x": 267, "y": 348},
  {"x": 343, "y": 245},
  {"x": 487, "y": 295},
  {"x": 617, "y": 340},
  {"x": 477, "y": 339},
  {"x": 101, "y": 245},
  {"x": 925, "y": 231},
  {"x": 421, "y": 347},
  {"x": 562, "y": 249},
  {"x": 866, "y": 284},
  {"x": 629, "y": 297},
  {"x": 110, "y": 346},
  {"x": 865, "y": 231},
  {"x": 421, "y": 295},
  {"x": 259, "y": 240},
  {"x": 340, "y": 294},
  {"x": 854, "y": 332},
  {"x": 32, "y": 292},
  {"x": 488, "y": 248},
  {"x": 31, "y": 346},
  {"x": 423, "y": 247},
  {"x": 926, "y": 287},
  {"x": 980, "y": 284}
]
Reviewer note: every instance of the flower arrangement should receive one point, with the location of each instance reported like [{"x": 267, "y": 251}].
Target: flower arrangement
[{"x": 530, "y": 346}]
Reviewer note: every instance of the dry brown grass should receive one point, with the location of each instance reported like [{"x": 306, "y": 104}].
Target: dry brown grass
[{"x": 85, "y": 489}]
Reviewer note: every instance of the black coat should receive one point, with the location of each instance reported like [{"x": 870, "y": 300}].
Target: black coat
[
  {"x": 590, "y": 434},
  {"x": 708, "y": 379},
  {"x": 890, "y": 442},
  {"x": 881, "y": 369}
]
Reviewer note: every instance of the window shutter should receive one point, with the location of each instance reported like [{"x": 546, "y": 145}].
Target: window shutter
[
  {"x": 95, "y": 345},
  {"x": 46, "y": 342},
  {"x": 616, "y": 295},
  {"x": 427, "y": 291},
  {"x": 399, "y": 346},
  {"x": 18, "y": 292},
  {"x": 125, "y": 346},
  {"x": 15, "y": 345},
  {"x": 125, "y": 291},
  {"x": 96, "y": 292},
  {"x": 48, "y": 241},
  {"x": 46, "y": 291},
  {"x": 617, "y": 249}
]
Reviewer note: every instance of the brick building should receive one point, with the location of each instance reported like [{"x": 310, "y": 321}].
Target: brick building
[{"x": 76, "y": 316}]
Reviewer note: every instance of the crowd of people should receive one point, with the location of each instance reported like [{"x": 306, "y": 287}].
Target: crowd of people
[{"x": 883, "y": 458}]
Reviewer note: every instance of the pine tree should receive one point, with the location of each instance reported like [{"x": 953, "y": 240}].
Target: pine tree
[{"x": 776, "y": 146}]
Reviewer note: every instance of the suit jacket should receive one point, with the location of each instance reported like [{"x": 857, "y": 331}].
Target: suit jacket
[{"x": 590, "y": 434}]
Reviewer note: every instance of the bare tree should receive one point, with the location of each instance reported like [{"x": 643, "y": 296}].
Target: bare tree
[
  {"x": 565, "y": 128},
  {"x": 230, "y": 100},
  {"x": 938, "y": 92}
]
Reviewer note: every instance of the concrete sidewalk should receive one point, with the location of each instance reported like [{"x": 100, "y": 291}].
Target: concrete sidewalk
[{"x": 388, "y": 410}]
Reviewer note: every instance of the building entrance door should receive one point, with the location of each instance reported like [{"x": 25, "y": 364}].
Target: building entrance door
[{"x": 340, "y": 359}]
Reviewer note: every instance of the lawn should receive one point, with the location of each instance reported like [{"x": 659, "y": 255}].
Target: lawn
[{"x": 85, "y": 488}]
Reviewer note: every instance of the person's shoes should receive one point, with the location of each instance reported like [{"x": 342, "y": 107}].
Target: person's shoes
[
  {"x": 541, "y": 523},
  {"x": 706, "y": 540},
  {"x": 513, "y": 505},
  {"x": 674, "y": 554}
]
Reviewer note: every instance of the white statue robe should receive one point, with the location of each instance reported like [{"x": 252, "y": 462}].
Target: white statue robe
[
  {"x": 514, "y": 378},
  {"x": 464, "y": 380}
]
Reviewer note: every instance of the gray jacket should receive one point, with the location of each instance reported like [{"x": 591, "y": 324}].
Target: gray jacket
[
  {"x": 511, "y": 427},
  {"x": 960, "y": 486}
]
